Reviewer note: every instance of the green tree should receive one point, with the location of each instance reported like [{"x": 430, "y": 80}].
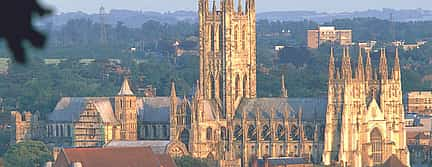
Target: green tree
[
  {"x": 188, "y": 161},
  {"x": 27, "y": 154}
]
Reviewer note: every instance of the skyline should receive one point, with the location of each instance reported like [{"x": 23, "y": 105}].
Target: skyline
[{"x": 262, "y": 6}]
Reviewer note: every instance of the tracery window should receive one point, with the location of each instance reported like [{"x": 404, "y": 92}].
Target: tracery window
[
  {"x": 209, "y": 133},
  {"x": 377, "y": 147}
]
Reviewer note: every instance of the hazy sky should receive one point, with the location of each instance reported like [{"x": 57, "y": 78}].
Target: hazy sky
[{"x": 92, "y": 6}]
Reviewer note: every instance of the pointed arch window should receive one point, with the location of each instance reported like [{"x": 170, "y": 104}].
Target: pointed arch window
[
  {"x": 377, "y": 147},
  {"x": 244, "y": 37},
  {"x": 209, "y": 133},
  {"x": 212, "y": 38},
  {"x": 252, "y": 133},
  {"x": 245, "y": 81},
  {"x": 237, "y": 87},
  {"x": 236, "y": 38}
]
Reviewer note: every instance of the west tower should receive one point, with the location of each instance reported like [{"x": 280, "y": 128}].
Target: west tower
[
  {"x": 227, "y": 53},
  {"x": 126, "y": 112}
]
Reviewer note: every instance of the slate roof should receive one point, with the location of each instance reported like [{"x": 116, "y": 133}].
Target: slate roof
[
  {"x": 264, "y": 106},
  {"x": 154, "y": 109},
  {"x": 68, "y": 109},
  {"x": 112, "y": 157},
  {"x": 313, "y": 108},
  {"x": 158, "y": 146}
]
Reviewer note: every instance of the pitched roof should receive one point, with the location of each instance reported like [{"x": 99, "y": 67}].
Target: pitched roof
[
  {"x": 68, "y": 109},
  {"x": 112, "y": 157},
  {"x": 125, "y": 89},
  {"x": 393, "y": 161},
  {"x": 166, "y": 160},
  {"x": 154, "y": 109},
  {"x": 158, "y": 146},
  {"x": 313, "y": 108}
]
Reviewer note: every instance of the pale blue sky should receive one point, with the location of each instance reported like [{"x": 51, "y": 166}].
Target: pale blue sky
[{"x": 92, "y": 6}]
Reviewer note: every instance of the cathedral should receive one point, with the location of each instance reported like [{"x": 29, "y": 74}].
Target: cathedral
[
  {"x": 224, "y": 120},
  {"x": 365, "y": 114}
]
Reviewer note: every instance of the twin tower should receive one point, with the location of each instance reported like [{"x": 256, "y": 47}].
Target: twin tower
[
  {"x": 365, "y": 115},
  {"x": 228, "y": 52}
]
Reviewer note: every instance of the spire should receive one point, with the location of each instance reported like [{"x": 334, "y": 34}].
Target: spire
[
  {"x": 125, "y": 89},
  {"x": 338, "y": 74},
  {"x": 396, "y": 67},
  {"x": 331, "y": 65},
  {"x": 284, "y": 92},
  {"x": 197, "y": 91},
  {"x": 229, "y": 5},
  {"x": 346, "y": 65},
  {"x": 240, "y": 7},
  {"x": 316, "y": 134},
  {"x": 369, "y": 70},
  {"x": 214, "y": 7},
  {"x": 383, "y": 65},
  {"x": 360, "y": 68},
  {"x": 173, "y": 89}
]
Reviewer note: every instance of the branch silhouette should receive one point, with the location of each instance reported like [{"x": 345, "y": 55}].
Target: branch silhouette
[{"x": 16, "y": 18}]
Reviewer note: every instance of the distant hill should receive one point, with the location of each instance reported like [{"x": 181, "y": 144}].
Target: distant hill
[{"x": 137, "y": 18}]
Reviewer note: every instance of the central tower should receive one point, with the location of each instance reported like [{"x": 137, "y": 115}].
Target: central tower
[{"x": 227, "y": 53}]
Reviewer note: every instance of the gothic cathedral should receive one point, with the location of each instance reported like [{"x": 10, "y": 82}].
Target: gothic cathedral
[
  {"x": 365, "y": 114},
  {"x": 224, "y": 120}
]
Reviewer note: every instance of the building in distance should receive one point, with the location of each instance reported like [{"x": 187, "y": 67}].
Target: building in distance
[
  {"x": 420, "y": 102},
  {"x": 328, "y": 34}
]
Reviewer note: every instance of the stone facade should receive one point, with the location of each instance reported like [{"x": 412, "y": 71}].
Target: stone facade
[
  {"x": 420, "y": 102},
  {"x": 328, "y": 34},
  {"x": 224, "y": 120},
  {"x": 365, "y": 115}
]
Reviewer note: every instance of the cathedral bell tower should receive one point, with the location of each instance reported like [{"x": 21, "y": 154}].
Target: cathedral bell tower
[
  {"x": 227, "y": 53},
  {"x": 126, "y": 112}
]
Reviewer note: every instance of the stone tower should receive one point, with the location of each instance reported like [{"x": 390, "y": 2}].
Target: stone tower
[
  {"x": 126, "y": 112},
  {"x": 228, "y": 53},
  {"x": 365, "y": 115}
]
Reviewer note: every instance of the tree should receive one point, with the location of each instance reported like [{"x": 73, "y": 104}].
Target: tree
[
  {"x": 188, "y": 161},
  {"x": 27, "y": 154}
]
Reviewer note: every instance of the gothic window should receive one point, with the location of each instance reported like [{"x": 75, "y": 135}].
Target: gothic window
[
  {"x": 221, "y": 40},
  {"x": 280, "y": 132},
  {"x": 121, "y": 103},
  {"x": 245, "y": 79},
  {"x": 265, "y": 134},
  {"x": 146, "y": 131},
  {"x": 209, "y": 133},
  {"x": 69, "y": 131},
  {"x": 252, "y": 133},
  {"x": 224, "y": 133},
  {"x": 294, "y": 132},
  {"x": 237, "y": 86},
  {"x": 57, "y": 130},
  {"x": 165, "y": 131},
  {"x": 61, "y": 131},
  {"x": 377, "y": 147},
  {"x": 212, "y": 38},
  {"x": 244, "y": 37},
  {"x": 184, "y": 137},
  {"x": 221, "y": 88},
  {"x": 154, "y": 131},
  {"x": 212, "y": 86},
  {"x": 236, "y": 37},
  {"x": 238, "y": 133}
]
